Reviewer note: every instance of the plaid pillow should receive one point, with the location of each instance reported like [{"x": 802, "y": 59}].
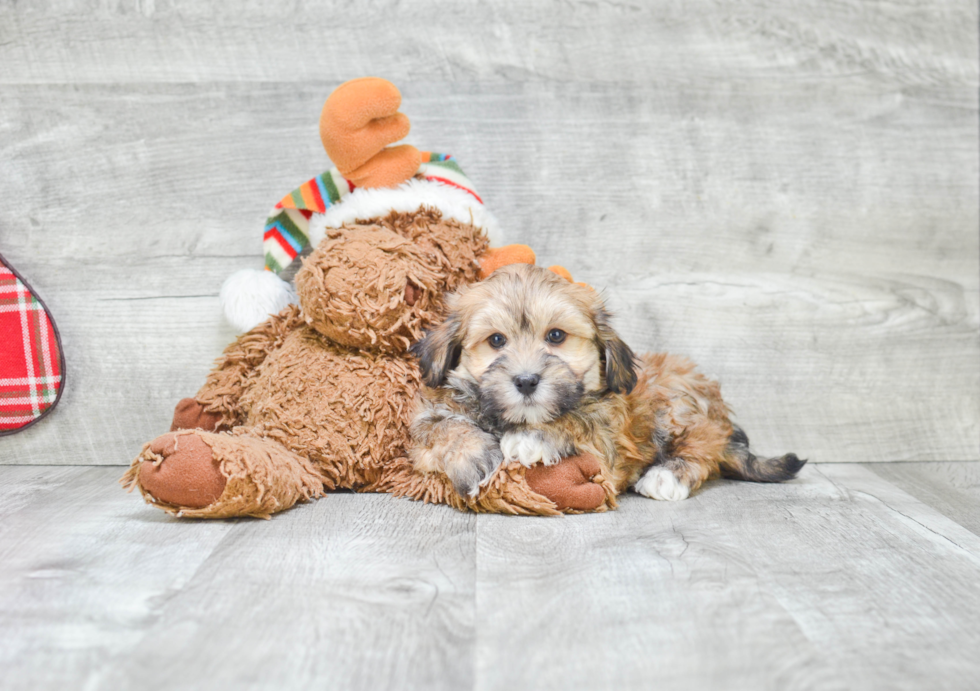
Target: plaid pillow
[{"x": 32, "y": 364}]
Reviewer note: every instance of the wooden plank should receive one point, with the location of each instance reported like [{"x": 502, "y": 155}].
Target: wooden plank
[
  {"x": 836, "y": 580},
  {"x": 353, "y": 592},
  {"x": 953, "y": 489},
  {"x": 192, "y": 171},
  {"x": 804, "y": 377},
  {"x": 87, "y": 41},
  {"x": 835, "y": 368},
  {"x": 84, "y": 570},
  {"x": 98, "y": 590}
]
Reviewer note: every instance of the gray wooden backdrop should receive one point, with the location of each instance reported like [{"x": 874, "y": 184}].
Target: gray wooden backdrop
[{"x": 786, "y": 191}]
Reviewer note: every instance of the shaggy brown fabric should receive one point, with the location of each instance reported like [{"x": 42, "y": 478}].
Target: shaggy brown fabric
[
  {"x": 383, "y": 259},
  {"x": 510, "y": 490},
  {"x": 320, "y": 397},
  {"x": 346, "y": 410},
  {"x": 455, "y": 247},
  {"x": 261, "y": 477},
  {"x": 239, "y": 363},
  {"x": 382, "y": 263},
  {"x": 507, "y": 492}
]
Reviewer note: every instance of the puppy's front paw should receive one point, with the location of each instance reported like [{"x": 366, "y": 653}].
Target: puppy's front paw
[
  {"x": 660, "y": 483},
  {"x": 452, "y": 444},
  {"x": 468, "y": 474},
  {"x": 471, "y": 461},
  {"x": 528, "y": 447}
]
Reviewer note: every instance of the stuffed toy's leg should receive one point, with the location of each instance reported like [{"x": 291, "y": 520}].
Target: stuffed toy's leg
[
  {"x": 574, "y": 485},
  {"x": 201, "y": 474}
]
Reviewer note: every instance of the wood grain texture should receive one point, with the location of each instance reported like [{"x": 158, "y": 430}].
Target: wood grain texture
[
  {"x": 84, "y": 570},
  {"x": 788, "y": 193},
  {"x": 140, "y": 41},
  {"x": 838, "y": 580},
  {"x": 98, "y": 590},
  {"x": 953, "y": 489}
]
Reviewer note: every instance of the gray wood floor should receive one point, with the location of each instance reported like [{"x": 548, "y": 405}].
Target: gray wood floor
[
  {"x": 787, "y": 192},
  {"x": 843, "y": 579}
]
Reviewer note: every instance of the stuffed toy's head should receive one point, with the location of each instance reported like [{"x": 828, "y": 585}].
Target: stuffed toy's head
[
  {"x": 371, "y": 180},
  {"x": 380, "y": 286}
]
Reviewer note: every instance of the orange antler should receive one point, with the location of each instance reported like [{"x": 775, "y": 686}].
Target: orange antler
[{"x": 359, "y": 119}]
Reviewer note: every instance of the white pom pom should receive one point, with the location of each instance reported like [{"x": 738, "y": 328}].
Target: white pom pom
[{"x": 249, "y": 296}]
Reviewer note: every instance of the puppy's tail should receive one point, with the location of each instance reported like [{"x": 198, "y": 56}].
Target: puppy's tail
[{"x": 742, "y": 464}]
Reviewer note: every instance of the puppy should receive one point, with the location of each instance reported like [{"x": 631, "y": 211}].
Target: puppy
[{"x": 527, "y": 368}]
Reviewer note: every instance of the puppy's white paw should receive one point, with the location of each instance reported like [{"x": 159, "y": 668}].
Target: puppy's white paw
[
  {"x": 528, "y": 447},
  {"x": 660, "y": 483}
]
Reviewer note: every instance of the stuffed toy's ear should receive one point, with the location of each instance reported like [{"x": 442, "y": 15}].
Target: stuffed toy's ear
[
  {"x": 567, "y": 275},
  {"x": 359, "y": 119},
  {"x": 496, "y": 257},
  {"x": 561, "y": 271}
]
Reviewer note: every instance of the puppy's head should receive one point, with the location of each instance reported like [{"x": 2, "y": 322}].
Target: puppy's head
[{"x": 533, "y": 342}]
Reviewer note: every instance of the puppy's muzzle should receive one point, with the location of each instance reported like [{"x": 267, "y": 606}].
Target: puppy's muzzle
[{"x": 527, "y": 383}]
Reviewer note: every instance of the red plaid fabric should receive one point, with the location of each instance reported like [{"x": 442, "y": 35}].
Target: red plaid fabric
[{"x": 31, "y": 365}]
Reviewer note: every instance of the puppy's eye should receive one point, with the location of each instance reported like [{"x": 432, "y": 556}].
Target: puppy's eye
[
  {"x": 497, "y": 341},
  {"x": 555, "y": 337}
]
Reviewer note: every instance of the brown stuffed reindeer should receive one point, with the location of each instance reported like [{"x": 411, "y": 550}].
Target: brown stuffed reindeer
[{"x": 320, "y": 395}]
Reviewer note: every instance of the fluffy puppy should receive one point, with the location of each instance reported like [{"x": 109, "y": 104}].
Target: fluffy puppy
[{"x": 527, "y": 368}]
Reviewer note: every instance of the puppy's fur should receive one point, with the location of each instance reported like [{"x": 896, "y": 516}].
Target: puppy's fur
[{"x": 526, "y": 367}]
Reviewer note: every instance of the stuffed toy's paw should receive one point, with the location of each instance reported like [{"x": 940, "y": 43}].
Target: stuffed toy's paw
[
  {"x": 199, "y": 474},
  {"x": 186, "y": 473},
  {"x": 574, "y": 482},
  {"x": 359, "y": 119}
]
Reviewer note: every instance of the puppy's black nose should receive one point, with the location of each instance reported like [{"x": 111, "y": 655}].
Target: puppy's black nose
[{"x": 527, "y": 383}]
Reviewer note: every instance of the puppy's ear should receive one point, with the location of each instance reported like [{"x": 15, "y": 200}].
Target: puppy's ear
[
  {"x": 439, "y": 350},
  {"x": 620, "y": 360}
]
